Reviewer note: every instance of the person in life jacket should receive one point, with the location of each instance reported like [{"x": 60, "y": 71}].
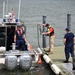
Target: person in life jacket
[
  {"x": 20, "y": 38},
  {"x": 50, "y": 33}
]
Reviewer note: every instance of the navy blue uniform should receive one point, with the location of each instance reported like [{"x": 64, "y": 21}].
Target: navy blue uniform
[
  {"x": 69, "y": 45},
  {"x": 20, "y": 40}
]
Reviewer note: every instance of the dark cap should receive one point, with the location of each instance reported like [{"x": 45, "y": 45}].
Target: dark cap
[
  {"x": 68, "y": 29},
  {"x": 19, "y": 26},
  {"x": 47, "y": 25}
]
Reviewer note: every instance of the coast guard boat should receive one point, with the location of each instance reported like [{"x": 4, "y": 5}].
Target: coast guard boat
[
  {"x": 8, "y": 50},
  {"x": 9, "y": 55}
]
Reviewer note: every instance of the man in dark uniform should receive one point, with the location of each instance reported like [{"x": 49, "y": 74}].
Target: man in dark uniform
[
  {"x": 20, "y": 38},
  {"x": 69, "y": 44}
]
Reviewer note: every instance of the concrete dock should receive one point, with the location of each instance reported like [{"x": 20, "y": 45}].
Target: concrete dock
[{"x": 58, "y": 57}]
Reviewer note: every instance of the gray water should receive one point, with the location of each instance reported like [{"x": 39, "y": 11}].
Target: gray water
[{"x": 32, "y": 12}]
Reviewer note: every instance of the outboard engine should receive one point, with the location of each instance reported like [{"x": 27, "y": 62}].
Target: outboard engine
[
  {"x": 25, "y": 62},
  {"x": 10, "y": 62}
]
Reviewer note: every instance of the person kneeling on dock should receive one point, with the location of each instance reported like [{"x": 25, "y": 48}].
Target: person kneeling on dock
[{"x": 20, "y": 38}]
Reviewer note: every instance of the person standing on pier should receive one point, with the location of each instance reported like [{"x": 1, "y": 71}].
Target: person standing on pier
[
  {"x": 68, "y": 41},
  {"x": 50, "y": 33}
]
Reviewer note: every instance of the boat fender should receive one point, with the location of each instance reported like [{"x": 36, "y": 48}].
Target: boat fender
[
  {"x": 29, "y": 47},
  {"x": 13, "y": 46},
  {"x": 39, "y": 50},
  {"x": 55, "y": 69},
  {"x": 39, "y": 61},
  {"x": 47, "y": 59},
  {"x": 2, "y": 49}
]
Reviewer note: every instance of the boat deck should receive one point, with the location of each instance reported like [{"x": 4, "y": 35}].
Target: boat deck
[{"x": 17, "y": 52}]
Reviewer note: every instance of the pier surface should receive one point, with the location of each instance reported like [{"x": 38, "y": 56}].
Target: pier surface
[{"x": 58, "y": 57}]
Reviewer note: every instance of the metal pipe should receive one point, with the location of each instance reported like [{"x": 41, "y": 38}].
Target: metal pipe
[
  {"x": 3, "y": 9},
  {"x": 7, "y": 7},
  {"x": 39, "y": 50},
  {"x": 38, "y": 35},
  {"x": 19, "y": 9}
]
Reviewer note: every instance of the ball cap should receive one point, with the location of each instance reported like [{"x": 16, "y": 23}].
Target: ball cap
[
  {"x": 48, "y": 25},
  {"x": 68, "y": 29},
  {"x": 19, "y": 26}
]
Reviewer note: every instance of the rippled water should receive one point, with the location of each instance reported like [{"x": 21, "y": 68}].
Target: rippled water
[{"x": 32, "y": 12}]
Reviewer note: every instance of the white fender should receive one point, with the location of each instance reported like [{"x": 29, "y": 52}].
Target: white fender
[
  {"x": 39, "y": 50},
  {"x": 47, "y": 59},
  {"x": 2, "y": 49},
  {"x": 55, "y": 69},
  {"x": 13, "y": 46}
]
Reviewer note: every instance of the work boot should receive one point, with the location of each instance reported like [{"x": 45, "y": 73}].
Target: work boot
[
  {"x": 50, "y": 52},
  {"x": 66, "y": 61}
]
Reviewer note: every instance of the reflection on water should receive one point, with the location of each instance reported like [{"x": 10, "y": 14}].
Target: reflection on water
[{"x": 42, "y": 69}]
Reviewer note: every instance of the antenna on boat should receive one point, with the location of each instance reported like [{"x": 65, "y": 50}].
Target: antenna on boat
[
  {"x": 7, "y": 7},
  {"x": 3, "y": 9},
  {"x": 19, "y": 9}
]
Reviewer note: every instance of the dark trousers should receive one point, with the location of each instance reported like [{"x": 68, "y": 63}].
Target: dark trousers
[
  {"x": 21, "y": 44},
  {"x": 69, "y": 48}
]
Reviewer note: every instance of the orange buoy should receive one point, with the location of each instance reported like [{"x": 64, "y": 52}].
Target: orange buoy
[
  {"x": 30, "y": 47},
  {"x": 39, "y": 61}
]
